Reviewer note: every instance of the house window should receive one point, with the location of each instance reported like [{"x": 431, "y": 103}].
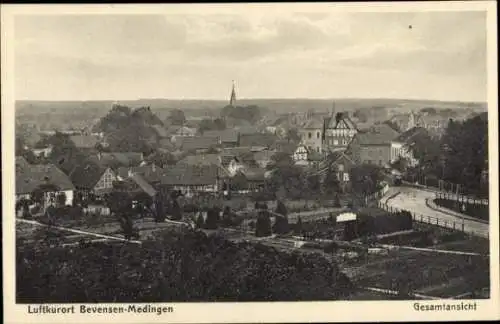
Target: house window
[
  {"x": 317, "y": 135},
  {"x": 309, "y": 134},
  {"x": 346, "y": 176}
]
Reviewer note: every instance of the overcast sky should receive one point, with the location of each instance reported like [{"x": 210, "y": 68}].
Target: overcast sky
[{"x": 287, "y": 55}]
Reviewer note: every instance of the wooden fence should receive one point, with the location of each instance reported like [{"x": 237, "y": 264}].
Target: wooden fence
[{"x": 461, "y": 199}]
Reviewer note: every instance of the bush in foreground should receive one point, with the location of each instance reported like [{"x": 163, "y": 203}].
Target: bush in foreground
[{"x": 178, "y": 266}]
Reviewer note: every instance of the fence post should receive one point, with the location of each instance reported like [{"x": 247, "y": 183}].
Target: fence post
[
  {"x": 463, "y": 227},
  {"x": 453, "y": 225},
  {"x": 437, "y": 221},
  {"x": 429, "y": 219}
]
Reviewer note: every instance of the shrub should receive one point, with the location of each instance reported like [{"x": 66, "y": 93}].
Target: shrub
[
  {"x": 281, "y": 225},
  {"x": 212, "y": 219},
  {"x": 263, "y": 225}
]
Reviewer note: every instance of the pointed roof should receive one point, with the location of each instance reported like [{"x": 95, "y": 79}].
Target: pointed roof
[
  {"x": 232, "y": 100},
  {"x": 30, "y": 177},
  {"x": 87, "y": 174},
  {"x": 334, "y": 121}
]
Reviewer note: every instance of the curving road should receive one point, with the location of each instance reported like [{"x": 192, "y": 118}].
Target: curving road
[{"x": 414, "y": 200}]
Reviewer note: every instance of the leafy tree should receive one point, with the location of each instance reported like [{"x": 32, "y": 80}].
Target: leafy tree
[
  {"x": 401, "y": 164},
  {"x": 314, "y": 184},
  {"x": 64, "y": 154},
  {"x": 249, "y": 113},
  {"x": 331, "y": 183},
  {"x": 263, "y": 224},
  {"x": 211, "y": 124},
  {"x": 287, "y": 175},
  {"x": 177, "y": 117},
  {"x": 425, "y": 149},
  {"x": 466, "y": 152},
  {"x": 365, "y": 179}
]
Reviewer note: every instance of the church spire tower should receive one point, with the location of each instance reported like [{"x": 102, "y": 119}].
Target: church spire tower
[{"x": 232, "y": 100}]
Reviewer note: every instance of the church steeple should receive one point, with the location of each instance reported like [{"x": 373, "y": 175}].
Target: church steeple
[{"x": 232, "y": 100}]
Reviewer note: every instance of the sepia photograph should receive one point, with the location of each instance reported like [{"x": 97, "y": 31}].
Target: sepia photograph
[{"x": 249, "y": 154}]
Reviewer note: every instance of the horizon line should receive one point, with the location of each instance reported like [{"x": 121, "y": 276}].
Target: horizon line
[{"x": 257, "y": 98}]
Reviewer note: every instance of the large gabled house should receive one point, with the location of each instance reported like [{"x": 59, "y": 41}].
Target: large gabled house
[
  {"x": 373, "y": 146},
  {"x": 46, "y": 178},
  {"x": 192, "y": 180},
  {"x": 312, "y": 133},
  {"x": 92, "y": 180},
  {"x": 338, "y": 132}
]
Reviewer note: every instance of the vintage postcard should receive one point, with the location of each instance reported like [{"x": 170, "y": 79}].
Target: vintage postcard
[{"x": 234, "y": 163}]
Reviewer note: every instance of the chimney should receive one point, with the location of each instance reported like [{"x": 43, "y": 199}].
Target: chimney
[{"x": 130, "y": 173}]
